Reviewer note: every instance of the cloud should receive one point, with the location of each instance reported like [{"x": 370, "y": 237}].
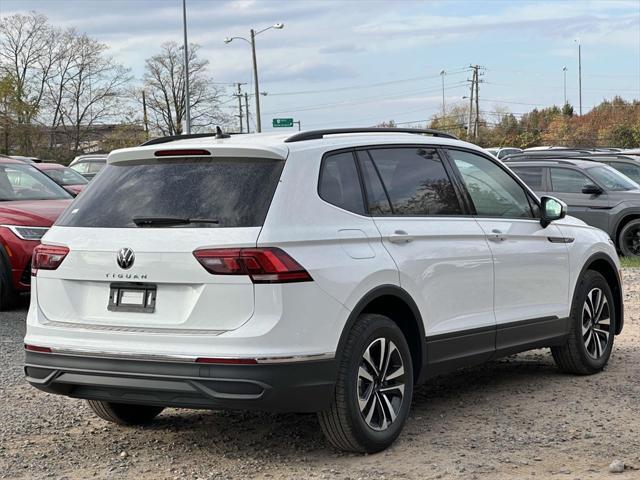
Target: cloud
[{"x": 341, "y": 48}]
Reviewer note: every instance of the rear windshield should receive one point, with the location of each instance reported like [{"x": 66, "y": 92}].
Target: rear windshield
[{"x": 233, "y": 192}]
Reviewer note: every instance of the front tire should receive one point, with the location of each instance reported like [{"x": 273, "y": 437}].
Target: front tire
[
  {"x": 124, "y": 414},
  {"x": 593, "y": 325},
  {"x": 373, "y": 389},
  {"x": 629, "y": 239}
]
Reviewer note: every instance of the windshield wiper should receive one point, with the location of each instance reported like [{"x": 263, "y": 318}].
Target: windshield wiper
[{"x": 168, "y": 221}]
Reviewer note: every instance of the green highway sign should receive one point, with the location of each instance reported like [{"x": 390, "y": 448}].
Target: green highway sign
[{"x": 283, "y": 122}]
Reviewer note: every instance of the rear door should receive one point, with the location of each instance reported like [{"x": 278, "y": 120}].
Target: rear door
[
  {"x": 531, "y": 263},
  {"x": 227, "y": 197},
  {"x": 567, "y": 184},
  {"x": 442, "y": 255}
]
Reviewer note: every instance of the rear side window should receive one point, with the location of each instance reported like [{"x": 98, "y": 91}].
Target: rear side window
[
  {"x": 235, "y": 192},
  {"x": 416, "y": 181},
  {"x": 339, "y": 182},
  {"x": 532, "y": 176},
  {"x": 565, "y": 180}
]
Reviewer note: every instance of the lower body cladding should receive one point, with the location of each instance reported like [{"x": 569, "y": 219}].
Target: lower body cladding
[{"x": 300, "y": 386}]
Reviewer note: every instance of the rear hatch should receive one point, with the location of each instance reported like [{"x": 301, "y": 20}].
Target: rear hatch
[{"x": 154, "y": 214}]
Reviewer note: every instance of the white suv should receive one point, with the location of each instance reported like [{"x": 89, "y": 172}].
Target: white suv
[{"x": 327, "y": 271}]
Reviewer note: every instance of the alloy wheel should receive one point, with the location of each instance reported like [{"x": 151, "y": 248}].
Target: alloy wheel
[
  {"x": 381, "y": 384},
  {"x": 596, "y": 323}
]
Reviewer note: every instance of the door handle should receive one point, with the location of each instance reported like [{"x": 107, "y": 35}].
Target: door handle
[
  {"x": 497, "y": 236},
  {"x": 400, "y": 236}
]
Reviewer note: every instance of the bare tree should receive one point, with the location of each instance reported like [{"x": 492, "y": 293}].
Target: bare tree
[
  {"x": 164, "y": 84},
  {"x": 28, "y": 50},
  {"x": 93, "y": 90}
]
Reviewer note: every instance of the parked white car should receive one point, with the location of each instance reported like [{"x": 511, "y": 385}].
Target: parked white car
[
  {"x": 325, "y": 271},
  {"x": 501, "y": 152}
]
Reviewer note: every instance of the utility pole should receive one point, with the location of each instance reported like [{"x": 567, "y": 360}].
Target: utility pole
[
  {"x": 476, "y": 126},
  {"x": 580, "y": 77},
  {"x": 469, "y": 128},
  {"x": 564, "y": 71},
  {"x": 246, "y": 110},
  {"x": 145, "y": 119},
  {"x": 239, "y": 95},
  {"x": 299, "y": 125},
  {"x": 186, "y": 67}
]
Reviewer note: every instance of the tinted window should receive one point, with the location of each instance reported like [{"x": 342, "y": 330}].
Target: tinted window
[
  {"x": 235, "y": 192},
  {"x": 493, "y": 191},
  {"x": 416, "y": 181},
  {"x": 24, "y": 182},
  {"x": 339, "y": 182},
  {"x": 630, "y": 170},
  {"x": 532, "y": 176},
  {"x": 377, "y": 199},
  {"x": 565, "y": 180}
]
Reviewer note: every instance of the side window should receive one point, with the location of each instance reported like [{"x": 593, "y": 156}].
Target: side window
[
  {"x": 493, "y": 191},
  {"x": 95, "y": 167},
  {"x": 81, "y": 167},
  {"x": 565, "y": 180},
  {"x": 628, "y": 169},
  {"x": 339, "y": 183},
  {"x": 377, "y": 199},
  {"x": 416, "y": 181},
  {"x": 532, "y": 176}
]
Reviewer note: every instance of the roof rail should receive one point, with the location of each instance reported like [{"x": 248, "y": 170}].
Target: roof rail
[
  {"x": 318, "y": 134},
  {"x": 561, "y": 161},
  {"x": 171, "y": 138}
]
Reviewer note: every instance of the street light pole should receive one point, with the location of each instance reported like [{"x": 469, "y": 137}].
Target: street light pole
[
  {"x": 442, "y": 74},
  {"x": 564, "y": 71},
  {"x": 186, "y": 68},
  {"x": 580, "y": 76},
  {"x": 252, "y": 42},
  {"x": 255, "y": 80}
]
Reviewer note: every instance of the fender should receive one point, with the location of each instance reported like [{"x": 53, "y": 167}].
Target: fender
[
  {"x": 617, "y": 292},
  {"x": 398, "y": 292}
]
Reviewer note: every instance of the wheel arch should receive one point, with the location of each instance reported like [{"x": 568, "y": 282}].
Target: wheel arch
[
  {"x": 603, "y": 264},
  {"x": 395, "y": 303}
]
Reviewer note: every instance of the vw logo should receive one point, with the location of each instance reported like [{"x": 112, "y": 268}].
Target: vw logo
[{"x": 125, "y": 258}]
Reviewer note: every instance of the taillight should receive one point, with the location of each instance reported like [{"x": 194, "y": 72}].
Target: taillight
[
  {"x": 47, "y": 257},
  {"x": 263, "y": 265}
]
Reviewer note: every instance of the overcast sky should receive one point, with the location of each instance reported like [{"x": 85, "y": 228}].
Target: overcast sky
[{"x": 360, "y": 62}]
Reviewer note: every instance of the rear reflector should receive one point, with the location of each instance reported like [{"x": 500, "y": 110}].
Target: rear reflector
[
  {"x": 228, "y": 361},
  {"x": 182, "y": 153},
  {"x": 47, "y": 257},
  {"x": 35, "y": 348},
  {"x": 262, "y": 265}
]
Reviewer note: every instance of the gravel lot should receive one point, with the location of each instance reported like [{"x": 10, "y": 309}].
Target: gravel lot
[{"x": 513, "y": 418}]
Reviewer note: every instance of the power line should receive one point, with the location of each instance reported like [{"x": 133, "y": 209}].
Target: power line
[{"x": 370, "y": 85}]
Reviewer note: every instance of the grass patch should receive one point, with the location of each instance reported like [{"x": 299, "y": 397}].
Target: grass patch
[{"x": 630, "y": 262}]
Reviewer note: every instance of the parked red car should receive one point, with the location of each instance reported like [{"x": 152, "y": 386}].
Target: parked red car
[
  {"x": 66, "y": 177},
  {"x": 29, "y": 204}
]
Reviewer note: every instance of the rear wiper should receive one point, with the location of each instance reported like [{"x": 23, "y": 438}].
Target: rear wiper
[{"x": 159, "y": 221}]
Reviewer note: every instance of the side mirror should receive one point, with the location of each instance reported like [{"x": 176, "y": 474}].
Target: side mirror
[
  {"x": 591, "y": 189},
  {"x": 551, "y": 209}
]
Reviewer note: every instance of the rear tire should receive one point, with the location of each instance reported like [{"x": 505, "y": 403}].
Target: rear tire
[
  {"x": 124, "y": 414},
  {"x": 373, "y": 389},
  {"x": 592, "y": 331}
]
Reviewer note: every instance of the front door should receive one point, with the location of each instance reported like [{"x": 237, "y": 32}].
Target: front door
[{"x": 531, "y": 263}]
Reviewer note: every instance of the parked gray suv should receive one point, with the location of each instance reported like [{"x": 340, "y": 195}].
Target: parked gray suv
[{"x": 595, "y": 193}]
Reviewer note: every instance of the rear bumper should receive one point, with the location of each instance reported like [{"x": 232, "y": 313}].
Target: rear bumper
[{"x": 287, "y": 387}]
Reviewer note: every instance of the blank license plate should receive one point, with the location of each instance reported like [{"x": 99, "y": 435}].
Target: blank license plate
[{"x": 132, "y": 298}]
